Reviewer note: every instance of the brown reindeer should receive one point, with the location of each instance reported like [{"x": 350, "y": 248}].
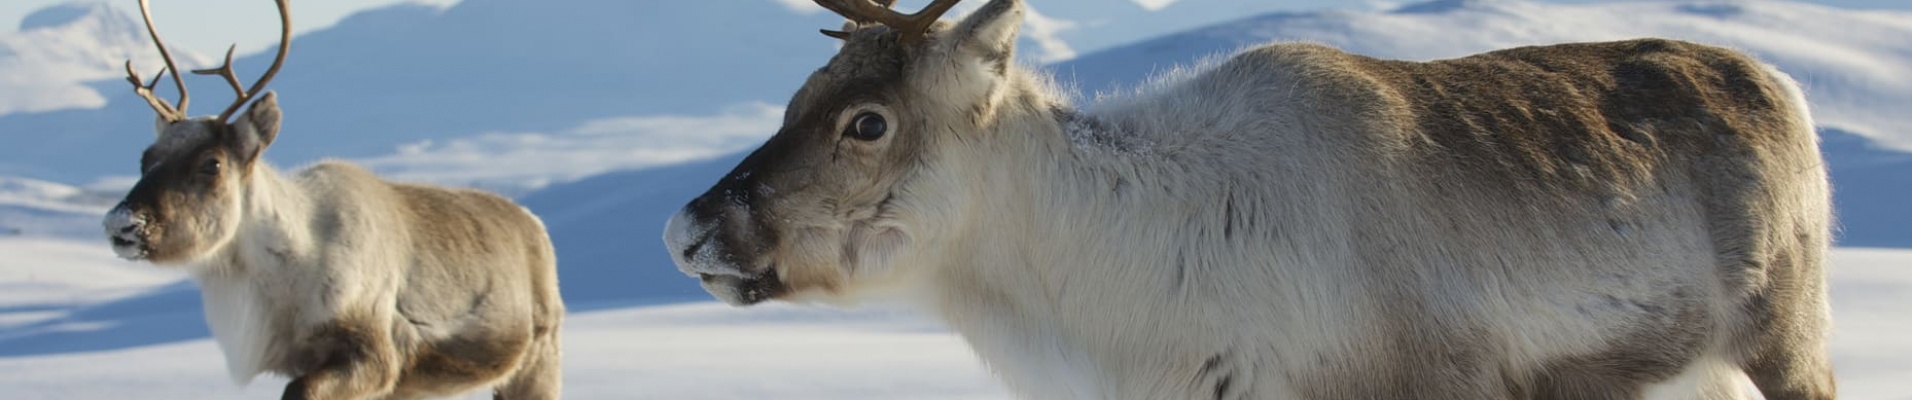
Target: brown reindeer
[
  {"x": 1621, "y": 220},
  {"x": 354, "y": 287}
]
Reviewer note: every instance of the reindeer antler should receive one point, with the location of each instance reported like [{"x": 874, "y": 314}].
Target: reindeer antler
[
  {"x": 910, "y": 28},
  {"x": 167, "y": 111},
  {"x": 243, "y": 94}
]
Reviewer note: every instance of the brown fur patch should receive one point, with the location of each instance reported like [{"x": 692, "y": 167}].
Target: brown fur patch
[{"x": 348, "y": 358}]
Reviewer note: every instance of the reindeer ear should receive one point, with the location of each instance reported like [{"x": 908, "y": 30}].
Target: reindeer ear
[
  {"x": 160, "y": 124},
  {"x": 260, "y": 124},
  {"x": 990, "y": 33}
]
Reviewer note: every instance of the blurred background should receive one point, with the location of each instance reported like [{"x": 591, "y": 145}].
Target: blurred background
[{"x": 604, "y": 116}]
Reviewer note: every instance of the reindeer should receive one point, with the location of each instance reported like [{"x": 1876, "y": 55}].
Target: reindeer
[
  {"x": 352, "y": 286},
  {"x": 1620, "y": 220}
]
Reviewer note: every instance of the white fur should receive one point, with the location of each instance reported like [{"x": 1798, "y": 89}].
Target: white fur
[{"x": 237, "y": 323}]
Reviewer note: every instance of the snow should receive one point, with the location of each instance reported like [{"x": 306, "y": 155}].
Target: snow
[
  {"x": 99, "y": 343},
  {"x": 77, "y": 323},
  {"x": 523, "y": 161},
  {"x": 41, "y": 208},
  {"x": 41, "y": 278}
]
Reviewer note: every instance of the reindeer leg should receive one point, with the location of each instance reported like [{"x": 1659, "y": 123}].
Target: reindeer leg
[
  {"x": 538, "y": 376},
  {"x": 352, "y": 361},
  {"x": 294, "y": 390}
]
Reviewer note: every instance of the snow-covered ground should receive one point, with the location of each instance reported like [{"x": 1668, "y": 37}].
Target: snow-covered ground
[
  {"x": 75, "y": 323},
  {"x": 38, "y": 208},
  {"x": 696, "y": 350}
]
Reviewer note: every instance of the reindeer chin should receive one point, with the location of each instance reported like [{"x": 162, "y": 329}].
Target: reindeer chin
[
  {"x": 130, "y": 251},
  {"x": 744, "y": 291}
]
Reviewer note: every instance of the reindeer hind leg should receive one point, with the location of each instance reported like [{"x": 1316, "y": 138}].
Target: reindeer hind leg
[{"x": 539, "y": 374}]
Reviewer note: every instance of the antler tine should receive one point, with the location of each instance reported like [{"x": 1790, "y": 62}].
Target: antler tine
[
  {"x": 285, "y": 46},
  {"x": 167, "y": 111},
  {"x": 226, "y": 71},
  {"x": 910, "y": 27},
  {"x": 145, "y": 91}
]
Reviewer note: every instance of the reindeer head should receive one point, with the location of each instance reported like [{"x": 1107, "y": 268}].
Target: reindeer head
[
  {"x": 190, "y": 196},
  {"x": 861, "y": 181}
]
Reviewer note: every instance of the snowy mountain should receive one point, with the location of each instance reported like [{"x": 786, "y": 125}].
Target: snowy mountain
[{"x": 45, "y": 64}]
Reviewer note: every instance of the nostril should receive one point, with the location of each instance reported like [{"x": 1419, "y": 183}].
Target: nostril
[{"x": 690, "y": 253}]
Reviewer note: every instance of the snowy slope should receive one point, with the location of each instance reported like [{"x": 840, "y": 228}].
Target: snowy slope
[
  {"x": 1870, "y": 185},
  {"x": 43, "y": 278},
  {"x": 608, "y": 230},
  {"x": 512, "y": 163},
  {"x": 705, "y": 350},
  {"x": 39, "y": 208}
]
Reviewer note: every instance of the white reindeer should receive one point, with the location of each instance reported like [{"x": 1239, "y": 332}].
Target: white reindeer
[
  {"x": 354, "y": 287},
  {"x": 1622, "y": 220}
]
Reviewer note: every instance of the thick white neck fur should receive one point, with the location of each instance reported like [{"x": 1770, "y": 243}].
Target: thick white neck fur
[
  {"x": 272, "y": 228},
  {"x": 271, "y": 235}
]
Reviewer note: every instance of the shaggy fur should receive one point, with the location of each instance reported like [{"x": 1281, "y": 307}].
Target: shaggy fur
[
  {"x": 1581, "y": 221},
  {"x": 354, "y": 287}
]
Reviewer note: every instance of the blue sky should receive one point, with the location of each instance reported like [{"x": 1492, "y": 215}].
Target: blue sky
[{"x": 250, "y": 22}]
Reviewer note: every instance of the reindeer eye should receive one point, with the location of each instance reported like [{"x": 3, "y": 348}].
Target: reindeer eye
[
  {"x": 868, "y": 126},
  {"x": 211, "y": 167}
]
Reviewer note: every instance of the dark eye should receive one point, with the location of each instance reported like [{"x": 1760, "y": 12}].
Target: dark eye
[
  {"x": 868, "y": 126},
  {"x": 211, "y": 167}
]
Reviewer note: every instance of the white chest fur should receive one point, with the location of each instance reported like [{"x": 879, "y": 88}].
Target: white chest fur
[
  {"x": 236, "y": 315},
  {"x": 1038, "y": 366}
]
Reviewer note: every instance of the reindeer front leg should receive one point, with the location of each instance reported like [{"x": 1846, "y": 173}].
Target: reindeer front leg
[{"x": 347, "y": 360}]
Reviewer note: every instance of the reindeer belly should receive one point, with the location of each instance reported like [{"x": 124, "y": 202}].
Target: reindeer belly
[{"x": 1603, "y": 299}]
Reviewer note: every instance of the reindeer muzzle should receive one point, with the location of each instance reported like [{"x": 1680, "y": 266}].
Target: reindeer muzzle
[{"x": 128, "y": 230}]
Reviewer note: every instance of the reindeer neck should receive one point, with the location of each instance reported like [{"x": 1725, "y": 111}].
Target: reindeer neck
[
  {"x": 275, "y": 228},
  {"x": 1069, "y": 191}
]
